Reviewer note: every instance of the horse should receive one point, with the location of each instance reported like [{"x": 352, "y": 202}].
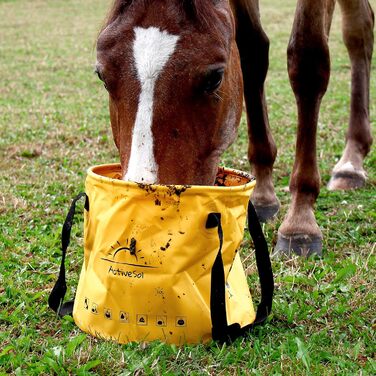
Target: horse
[{"x": 177, "y": 73}]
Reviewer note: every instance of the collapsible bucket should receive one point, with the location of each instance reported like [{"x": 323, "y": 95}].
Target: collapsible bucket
[{"x": 161, "y": 262}]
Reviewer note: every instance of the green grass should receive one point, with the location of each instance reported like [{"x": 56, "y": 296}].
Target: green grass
[{"x": 54, "y": 124}]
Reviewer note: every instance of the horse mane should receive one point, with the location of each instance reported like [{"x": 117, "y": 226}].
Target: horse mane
[{"x": 200, "y": 11}]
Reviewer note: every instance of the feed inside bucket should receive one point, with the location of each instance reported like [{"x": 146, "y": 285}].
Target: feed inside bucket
[{"x": 161, "y": 262}]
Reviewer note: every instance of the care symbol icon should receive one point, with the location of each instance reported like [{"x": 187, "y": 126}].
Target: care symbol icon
[
  {"x": 124, "y": 317},
  {"x": 181, "y": 321},
  {"x": 142, "y": 320},
  {"x": 161, "y": 321},
  {"x": 108, "y": 314},
  {"x": 94, "y": 308}
]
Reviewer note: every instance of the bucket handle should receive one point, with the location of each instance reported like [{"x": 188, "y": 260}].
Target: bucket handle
[
  {"x": 55, "y": 300},
  {"x": 220, "y": 330},
  {"x": 264, "y": 266}
]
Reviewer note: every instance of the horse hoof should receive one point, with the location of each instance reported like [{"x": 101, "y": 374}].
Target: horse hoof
[
  {"x": 341, "y": 181},
  {"x": 266, "y": 213},
  {"x": 302, "y": 245}
]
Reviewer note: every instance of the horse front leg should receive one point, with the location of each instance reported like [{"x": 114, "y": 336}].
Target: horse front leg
[
  {"x": 358, "y": 23},
  {"x": 253, "y": 45},
  {"x": 309, "y": 71}
]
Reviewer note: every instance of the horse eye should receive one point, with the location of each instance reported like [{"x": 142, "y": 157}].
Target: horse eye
[
  {"x": 98, "y": 73},
  {"x": 213, "y": 80}
]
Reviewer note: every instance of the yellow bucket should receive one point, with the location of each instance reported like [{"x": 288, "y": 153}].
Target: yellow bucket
[{"x": 162, "y": 262}]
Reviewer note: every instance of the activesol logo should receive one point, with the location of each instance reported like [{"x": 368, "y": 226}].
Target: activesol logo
[
  {"x": 126, "y": 273},
  {"x": 119, "y": 255}
]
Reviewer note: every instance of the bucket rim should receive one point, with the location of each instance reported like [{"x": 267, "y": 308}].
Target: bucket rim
[{"x": 94, "y": 172}]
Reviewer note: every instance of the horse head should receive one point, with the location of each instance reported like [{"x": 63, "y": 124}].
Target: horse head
[{"x": 173, "y": 75}]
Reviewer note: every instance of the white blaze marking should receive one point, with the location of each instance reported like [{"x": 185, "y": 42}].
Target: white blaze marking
[{"x": 151, "y": 50}]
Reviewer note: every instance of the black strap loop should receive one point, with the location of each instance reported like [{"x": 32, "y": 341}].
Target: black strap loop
[
  {"x": 264, "y": 266},
  {"x": 221, "y": 331},
  {"x": 217, "y": 292},
  {"x": 56, "y": 298}
]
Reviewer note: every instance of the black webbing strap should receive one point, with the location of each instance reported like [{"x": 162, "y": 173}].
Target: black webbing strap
[
  {"x": 220, "y": 329},
  {"x": 56, "y": 298},
  {"x": 217, "y": 290},
  {"x": 264, "y": 266}
]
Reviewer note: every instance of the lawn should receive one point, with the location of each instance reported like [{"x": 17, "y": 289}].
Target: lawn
[{"x": 54, "y": 124}]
